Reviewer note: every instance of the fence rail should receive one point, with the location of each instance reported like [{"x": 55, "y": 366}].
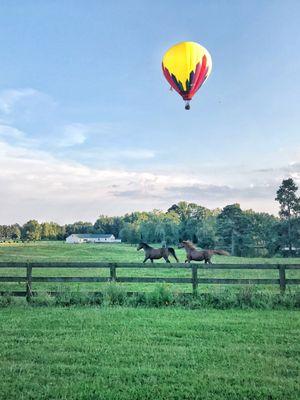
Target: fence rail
[{"x": 195, "y": 280}]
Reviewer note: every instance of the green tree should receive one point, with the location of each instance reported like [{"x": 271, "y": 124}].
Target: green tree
[
  {"x": 207, "y": 233},
  {"x": 231, "y": 227},
  {"x": 31, "y": 230},
  {"x": 190, "y": 215},
  {"x": 289, "y": 208},
  {"x": 105, "y": 224},
  {"x": 130, "y": 233},
  {"x": 52, "y": 231},
  {"x": 15, "y": 232},
  {"x": 261, "y": 236},
  {"x": 79, "y": 227},
  {"x": 10, "y": 232}
]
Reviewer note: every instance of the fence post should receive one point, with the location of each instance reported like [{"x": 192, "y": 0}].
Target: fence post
[
  {"x": 28, "y": 282},
  {"x": 282, "y": 280},
  {"x": 113, "y": 272},
  {"x": 195, "y": 277}
]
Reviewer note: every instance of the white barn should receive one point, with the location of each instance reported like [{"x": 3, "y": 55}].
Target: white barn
[{"x": 92, "y": 238}]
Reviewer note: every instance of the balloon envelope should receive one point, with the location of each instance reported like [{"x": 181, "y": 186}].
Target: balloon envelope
[{"x": 186, "y": 66}]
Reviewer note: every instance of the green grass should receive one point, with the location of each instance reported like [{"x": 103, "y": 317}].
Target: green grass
[
  {"x": 120, "y": 353},
  {"x": 60, "y": 251},
  {"x": 86, "y": 353}
]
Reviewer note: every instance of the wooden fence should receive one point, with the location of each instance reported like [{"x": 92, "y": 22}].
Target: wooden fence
[{"x": 194, "y": 279}]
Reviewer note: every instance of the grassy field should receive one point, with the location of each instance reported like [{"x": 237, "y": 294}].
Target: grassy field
[
  {"x": 121, "y": 353},
  {"x": 87, "y": 353},
  {"x": 60, "y": 251}
]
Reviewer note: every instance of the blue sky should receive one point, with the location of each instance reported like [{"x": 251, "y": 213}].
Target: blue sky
[{"x": 88, "y": 124}]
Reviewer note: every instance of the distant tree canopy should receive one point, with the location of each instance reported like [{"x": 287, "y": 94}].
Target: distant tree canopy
[
  {"x": 242, "y": 232},
  {"x": 289, "y": 202}
]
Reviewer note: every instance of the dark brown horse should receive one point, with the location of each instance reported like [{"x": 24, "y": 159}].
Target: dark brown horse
[
  {"x": 155, "y": 254},
  {"x": 192, "y": 254}
]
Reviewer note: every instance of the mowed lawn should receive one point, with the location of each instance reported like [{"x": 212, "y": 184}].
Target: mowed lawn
[
  {"x": 60, "y": 251},
  {"x": 125, "y": 353}
]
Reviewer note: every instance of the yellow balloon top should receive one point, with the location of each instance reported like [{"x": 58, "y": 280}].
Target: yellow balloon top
[{"x": 186, "y": 66}]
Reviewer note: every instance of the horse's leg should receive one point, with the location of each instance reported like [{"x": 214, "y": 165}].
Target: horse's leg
[
  {"x": 146, "y": 258},
  {"x": 151, "y": 260},
  {"x": 167, "y": 260}
]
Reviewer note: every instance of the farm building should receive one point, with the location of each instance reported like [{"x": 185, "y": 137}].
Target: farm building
[{"x": 92, "y": 238}]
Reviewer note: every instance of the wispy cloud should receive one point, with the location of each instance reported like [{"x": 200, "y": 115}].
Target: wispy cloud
[
  {"x": 24, "y": 103},
  {"x": 78, "y": 170},
  {"x": 34, "y": 183},
  {"x": 37, "y": 184},
  {"x": 11, "y": 132},
  {"x": 73, "y": 134},
  {"x": 10, "y": 97},
  {"x": 15, "y": 136},
  {"x": 135, "y": 154}
]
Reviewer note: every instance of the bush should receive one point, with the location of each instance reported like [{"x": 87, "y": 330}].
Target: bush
[
  {"x": 66, "y": 298},
  {"x": 164, "y": 296},
  {"x": 137, "y": 300},
  {"x": 42, "y": 299},
  {"x": 161, "y": 296},
  {"x": 6, "y": 300},
  {"x": 288, "y": 300},
  {"x": 114, "y": 295}
]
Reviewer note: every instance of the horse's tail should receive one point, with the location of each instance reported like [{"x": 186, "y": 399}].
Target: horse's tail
[
  {"x": 172, "y": 251},
  {"x": 221, "y": 252}
]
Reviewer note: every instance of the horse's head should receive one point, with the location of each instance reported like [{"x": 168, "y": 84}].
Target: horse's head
[
  {"x": 140, "y": 246},
  {"x": 187, "y": 244}
]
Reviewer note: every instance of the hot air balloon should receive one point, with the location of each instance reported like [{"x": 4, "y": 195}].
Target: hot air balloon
[{"x": 186, "y": 66}]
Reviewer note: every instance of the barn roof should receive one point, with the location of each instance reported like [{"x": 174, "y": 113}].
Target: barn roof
[{"x": 92, "y": 235}]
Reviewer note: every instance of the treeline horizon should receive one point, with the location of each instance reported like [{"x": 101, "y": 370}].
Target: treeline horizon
[{"x": 242, "y": 232}]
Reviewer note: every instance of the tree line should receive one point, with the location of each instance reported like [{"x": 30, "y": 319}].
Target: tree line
[{"x": 242, "y": 232}]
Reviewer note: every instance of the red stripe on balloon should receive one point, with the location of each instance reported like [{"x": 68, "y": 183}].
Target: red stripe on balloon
[
  {"x": 170, "y": 79},
  {"x": 201, "y": 76},
  {"x": 189, "y": 94}
]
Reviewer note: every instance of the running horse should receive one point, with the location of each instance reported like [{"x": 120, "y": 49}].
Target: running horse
[
  {"x": 155, "y": 254},
  {"x": 192, "y": 254}
]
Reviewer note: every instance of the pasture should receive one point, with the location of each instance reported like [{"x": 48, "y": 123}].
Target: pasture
[
  {"x": 121, "y": 353},
  {"x": 86, "y": 353},
  {"x": 60, "y": 251}
]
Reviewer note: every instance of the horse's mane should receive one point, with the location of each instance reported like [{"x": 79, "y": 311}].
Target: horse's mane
[
  {"x": 146, "y": 245},
  {"x": 189, "y": 244}
]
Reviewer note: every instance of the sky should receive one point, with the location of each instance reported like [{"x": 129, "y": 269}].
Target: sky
[{"x": 88, "y": 125}]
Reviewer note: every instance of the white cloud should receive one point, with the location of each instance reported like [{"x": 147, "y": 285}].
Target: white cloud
[
  {"x": 9, "y": 98},
  {"x": 78, "y": 133},
  {"x": 136, "y": 154},
  {"x": 74, "y": 134},
  {"x": 11, "y": 132},
  {"x": 15, "y": 136},
  {"x": 12, "y": 100},
  {"x": 26, "y": 105},
  {"x": 35, "y": 184}
]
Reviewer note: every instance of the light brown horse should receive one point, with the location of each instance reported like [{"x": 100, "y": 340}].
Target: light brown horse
[
  {"x": 192, "y": 254},
  {"x": 155, "y": 254}
]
